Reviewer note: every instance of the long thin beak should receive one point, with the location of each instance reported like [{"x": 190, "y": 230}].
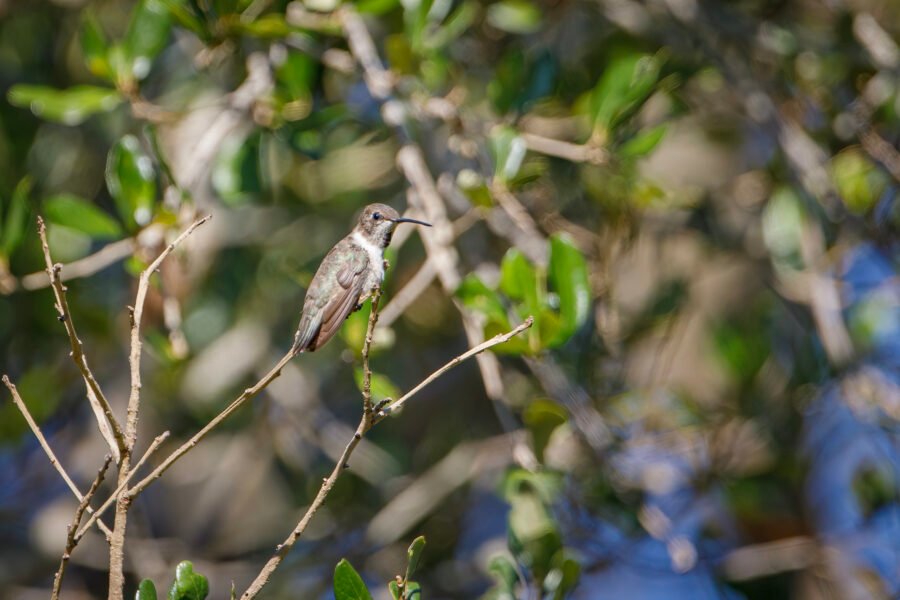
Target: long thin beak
[{"x": 405, "y": 220}]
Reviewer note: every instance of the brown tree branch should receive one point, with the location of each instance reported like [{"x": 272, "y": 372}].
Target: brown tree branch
[
  {"x": 368, "y": 420},
  {"x": 71, "y": 542},
  {"x": 367, "y": 344},
  {"x": 117, "y": 544},
  {"x": 83, "y": 267},
  {"x": 20, "y": 404},
  {"x": 106, "y": 420},
  {"x": 112, "y": 497}
]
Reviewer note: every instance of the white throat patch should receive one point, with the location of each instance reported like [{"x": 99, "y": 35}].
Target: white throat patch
[{"x": 376, "y": 254}]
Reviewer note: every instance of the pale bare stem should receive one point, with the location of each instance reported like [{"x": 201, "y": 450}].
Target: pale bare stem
[
  {"x": 589, "y": 153},
  {"x": 112, "y": 497},
  {"x": 379, "y": 80},
  {"x": 516, "y": 211},
  {"x": 106, "y": 420},
  {"x": 71, "y": 542},
  {"x": 367, "y": 421},
  {"x": 497, "y": 339},
  {"x": 83, "y": 267},
  {"x": 117, "y": 544},
  {"x": 367, "y": 372},
  {"x": 408, "y": 294},
  {"x": 188, "y": 445},
  {"x": 32, "y": 424}
]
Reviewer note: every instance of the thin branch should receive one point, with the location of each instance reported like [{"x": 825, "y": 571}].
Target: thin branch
[
  {"x": 83, "y": 267},
  {"x": 379, "y": 80},
  {"x": 117, "y": 544},
  {"x": 400, "y": 301},
  {"x": 367, "y": 421},
  {"x": 112, "y": 497},
  {"x": 589, "y": 153},
  {"x": 367, "y": 372},
  {"x": 497, "y": 339},
  {"x": 188, "y": 445},
  {"x": 106, "y": 420},
  {"x": 71, "y": 542},
  {"x": 20, "y": 404}
]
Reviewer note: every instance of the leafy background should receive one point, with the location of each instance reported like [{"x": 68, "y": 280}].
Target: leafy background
[{"x": 696, "y": 200}]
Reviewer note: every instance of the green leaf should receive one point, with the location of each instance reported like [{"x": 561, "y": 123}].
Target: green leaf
[
  {"x": 80, "y": 214},
  {"x": 188, "y": 585},
  {"x": 519, "y": 281},
  {"x": 94, "y": 46},
  {"x": 381, "y": 385},
  {"x": 267, "y": 26},
  {"x": 476, "y": 295},
  {"x": 504, "y": 573},
  {"x": 16, "y": 218},
  {"x": 643, "y": 143},
  {"x": 514, "y": 16},
  {"x": 70, "y": 106},
  {"x": 146, "y": 591},
  {"x": 542, "y": 417},
  {"x": 376, "y": 7},
  {"x": 412, "y": 591},
  {"x": 568, "y": 275},
  {"x": 187, "y": 18},
  {"x": 413, "y": 555},
  {"x": 627, "y": 82},
  {"x": 348, "y": 585},
  {"x": 147, "y": 35},
  {"x": 858, "y": 180},
  {"x": 563, "y": 576},
  {"x": 508, "y": 151},
  {"x": 131, "y": 180}
]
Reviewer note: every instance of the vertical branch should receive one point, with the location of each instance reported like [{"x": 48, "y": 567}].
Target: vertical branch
[
  {"x": 123, "y": 501},
  {"x": 71, "y": 540},
  {"x": 367, "y": 372},
  {"x": 106, "y": 420},
  {"x": 32, "y": 424}
]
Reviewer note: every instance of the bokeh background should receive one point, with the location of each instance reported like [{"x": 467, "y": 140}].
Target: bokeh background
[{"x": 697, "y": 200}]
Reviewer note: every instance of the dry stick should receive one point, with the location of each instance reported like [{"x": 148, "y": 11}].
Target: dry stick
[
  {"x": 20, "y": 404},
  {"x": 83, "y": 267},
  {"x": 106, "y": 420},
  {"x": 367, "y": 421},
  {"x": 117, "y": 544},
  {"x": 590, "y": 153},
  {"x": 112, "y": 497},
  {"x": 367, "y": 373},
  {"x": 71, "y": 542}
]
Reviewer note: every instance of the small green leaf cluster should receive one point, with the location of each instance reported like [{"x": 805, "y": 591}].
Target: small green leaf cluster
[
  {"x": 558, "y": 296},
  {"x": 188, "y": 585},
  {"x": 348, "y": 585}
]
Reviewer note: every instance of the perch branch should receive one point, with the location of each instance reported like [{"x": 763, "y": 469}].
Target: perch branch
[
  {"x": 366, "y": 422},
  {"x": 20, "y": 404},
  {"x": 83, "y": 267},
  {"x": 106, "y": 420},
  {"x": 71, "y": 542},
  {"x": 367, "y": 372}
]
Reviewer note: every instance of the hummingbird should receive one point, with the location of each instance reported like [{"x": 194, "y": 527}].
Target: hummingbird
[{"x": 347, "y": 277}]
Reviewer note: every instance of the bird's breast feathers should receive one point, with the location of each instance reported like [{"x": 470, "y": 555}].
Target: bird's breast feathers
[{"x": 376, "y": 257}]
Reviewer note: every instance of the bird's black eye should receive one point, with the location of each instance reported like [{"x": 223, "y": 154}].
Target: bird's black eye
[{"x": 376, "y": 215}]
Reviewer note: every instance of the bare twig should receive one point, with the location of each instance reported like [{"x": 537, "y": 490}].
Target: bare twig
[
  {"x": 106, "y": 420},
  {"x": 589, "y": 153},
  {"x": 20, "y": 404},
  {"x": 117, "y": 544},
  {"x": 497, "y": 339},
  {"x": 71, "y": 542},
  {"x": 83, "y": 267},
  {"x": 112, "y": 497},
  {"x": 379, "y": 80},
  {"x": 367, "y": 421},
  {"x": 367, "y": 372}
]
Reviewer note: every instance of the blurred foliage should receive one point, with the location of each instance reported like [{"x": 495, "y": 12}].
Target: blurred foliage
[{"x": 696, "y": 201}]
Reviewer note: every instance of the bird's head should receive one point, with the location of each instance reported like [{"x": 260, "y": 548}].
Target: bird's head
[{"x": 378, "y": 221}]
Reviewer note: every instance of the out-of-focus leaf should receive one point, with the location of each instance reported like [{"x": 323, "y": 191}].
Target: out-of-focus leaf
[
  {"x": 455, "y": 25},
  {"x": 510, "y": 76},
  {"x": 267, "y": 26},
  {"x": 81, "y": 215},
  {"x": 381, "y": 386},
  {"x": 782, "y": 227},
  {"x": 70, "y": 106},
  {"x": 514, "y": 16},
  {"x": 413, "y": 591},
  {"x": 415, "y": 14},
  {"x": 627, "y": 82},
  {"x": 94, "y": 46},
  {"x": 474, "y": 187},
  {"x": 188, "y": 585},
  {"x": 542, "y": 417},
  {"x": 643, "y": 143},
  {"x": 568, "y": 277},
  {"x": 519, "y": 281},
  {"x": 413, "y": 555},
  {"x": 504, "y": 573},
  {"x": 147, "y": 34},
  {"x": 131, "y": 180},
  {"x": 476, "y": 295},
  {"x": 562, "y": 576},
  {"x": 297, "y": 75},
  {"x": 186, "y": 17},
  {"x": 16, "y": 218},
  {"x": 859, "y": 181},
  {"x": 508, "y": 151},
  {"x": 533, "y": 536},
  {"x": 146, "y": 591},
  {"x": 348, "y": 585},
  {"x": 376, "y": 7}
]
